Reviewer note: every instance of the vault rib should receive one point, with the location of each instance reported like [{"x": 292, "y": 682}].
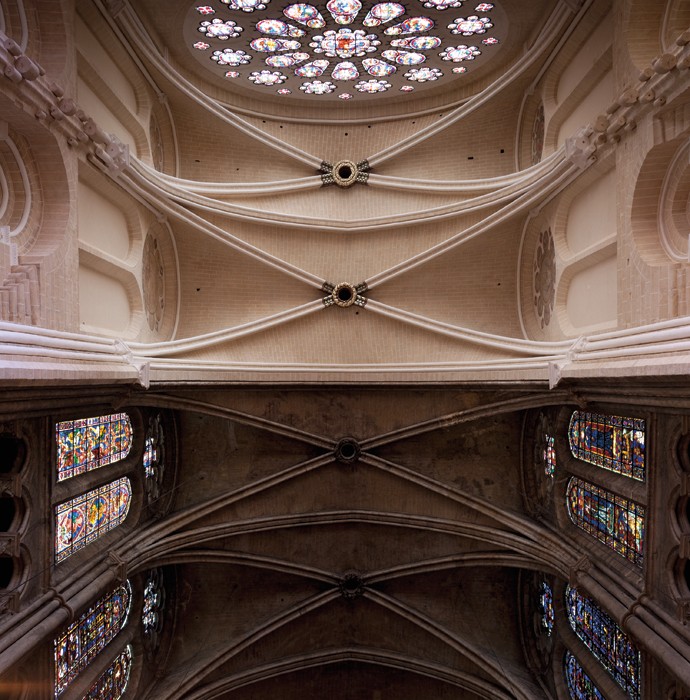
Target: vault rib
[
  {"x": 136, "y": 34},
  {"x": 373, "y": 656},
  {"x": 554, "y": 26}
]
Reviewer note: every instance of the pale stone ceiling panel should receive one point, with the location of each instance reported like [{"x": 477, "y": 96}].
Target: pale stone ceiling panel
[
  {"x": 212, "y": 150},
  {"x": 477, "y": 288},
  {"x": 224, "y": 288},
  {"x": 347, "y": 336},
  {"x": 344, "y": 255}
]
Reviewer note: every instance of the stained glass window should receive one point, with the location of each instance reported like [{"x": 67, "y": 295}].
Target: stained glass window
[
  {"x": 90, "y": 634},
  {"x": 612, "y": 519},
  {"x": 602, "y": 636},
  {"x": 154, "y": 599},
  {"x": 611, "y": 442},
  {"x": 549, "y": 455},
  {"x": 579, "y": 684},
  {"x": 153, "y": 458},
  {"x": 113, "y": 682},
  {"x": 85, "y": 518},
  {"x": 90, "y": 443},
  {"x": 367, "y": 40},
  {"x": 546, "y": 607}
]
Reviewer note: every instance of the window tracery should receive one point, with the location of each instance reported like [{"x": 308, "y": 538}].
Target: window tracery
[
  {"x": 614, "y": 520},
  {"x": 154, "y": 601},
  {"x": 86, "y": 444},
  {"x": 611, "y": 442},
  {"x": 83, "y": 519},
  {"x": 604, "y": 638},
  {"x": 579, "y": 684},
  {"x": 365, "y": 42},
  {"x": 546, "y": 607},
  {"x": 113, "y": 682},
  {"x": 87, "y": 636}
]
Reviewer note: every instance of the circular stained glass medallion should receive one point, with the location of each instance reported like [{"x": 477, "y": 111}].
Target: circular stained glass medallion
[{"x": 344, "y": 49}]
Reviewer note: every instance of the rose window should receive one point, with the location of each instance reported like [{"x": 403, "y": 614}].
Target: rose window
[{"x": 343, "y": 49}]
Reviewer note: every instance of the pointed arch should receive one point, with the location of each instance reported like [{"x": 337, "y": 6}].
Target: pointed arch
[
  {"x": 611, "y": 442},
  {"x": 612, "y": 519},
  {"x": 605, "y": 639},
  {"x": 112, "y": 683},
  {"x": 579, "y": 684},
  {"x": 86, "y": 444},
  {"x": 87, "y": 636}
]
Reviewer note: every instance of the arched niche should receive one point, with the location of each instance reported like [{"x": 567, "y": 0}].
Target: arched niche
[
  {"x": 33, "y": 201},
  {"x": 12, "y": 453},
  {"x": 592, "y": 215},
  {"x": 108, "y": 298},
  {"x": 676, "y": 20},
  {"x": 110, "y": 87},
  {"x": 576, "y": 71},
  {"x": 581, "y": 109},
  {"x": 578, "y": 86},
  {"x": 587, "y": 289},
  {"x": 642, "y": 24},
  {"x": 101, "y": 223},
  {"x": 591, "y": 297},
  {"x": 660, "y": 232}
]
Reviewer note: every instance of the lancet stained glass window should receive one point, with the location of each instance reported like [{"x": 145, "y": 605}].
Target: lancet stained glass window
[
  {"x": 614, "y": 520},
  {"x": 579, "y": 684},
  {"x": 611, "y": 442},
  {"x": 113, "y": 682},
  {"x": 89, "y": 443},
  {"x": 549, "y": 455},
  {"x": 602, "y": 636},
  {"x": 85, "y": 518},
  {"x": 87, "y": 636},
  {"x": 546, "y": 607}
]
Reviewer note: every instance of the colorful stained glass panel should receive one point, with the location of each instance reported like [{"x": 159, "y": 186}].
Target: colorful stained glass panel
[
  {"x": 411, "y": 26},
  {"x": 305, "y": 14},
  {"x": 579, "y": 684},
  {"x": 85, "y": 518},
  {"x": 612, "y": 442},
  {"x": 89, "y": 635},
  {"x": 89, "y": 443},
  {"x": 604, "y": 638},
  {"x": 549, "y": 455},
  {"x": 343, "y": 11},
  {"x": 546, "y": 607},
  {"x": 349, "y": 33},
  {"x": 383, "y": 12},
  {"x": 614, "y": 520},
  {"x": 113, "y": 682}
]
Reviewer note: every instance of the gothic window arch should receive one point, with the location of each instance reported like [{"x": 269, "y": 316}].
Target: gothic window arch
[
  {"x": 112, "y": 683},
  {"x": 546, "y": 607},
  {"x": 86, "y": 444},
  {"x": 87, "y": 636},
  {"x": 612, "y": 519},
  {"x": 615, "y": 446},
  {"x": 579, "y": 684},
  {"x": 608, "y": 643},
  {"x": 88, "y": 516},
  {"x": 611, "y": 442},
  {"x": 153, "y": 459}
]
